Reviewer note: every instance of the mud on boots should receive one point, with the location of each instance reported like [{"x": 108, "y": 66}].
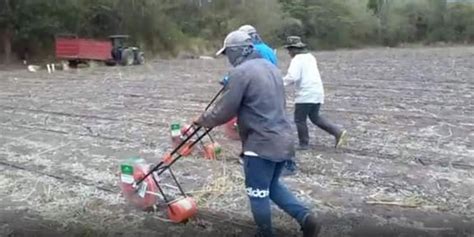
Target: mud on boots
[
  {"x": 303, "y": 72},
  {"x": 255, "y": 94}
]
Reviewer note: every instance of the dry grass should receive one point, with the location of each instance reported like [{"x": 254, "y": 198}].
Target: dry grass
[{"x": 407, "y": 114}]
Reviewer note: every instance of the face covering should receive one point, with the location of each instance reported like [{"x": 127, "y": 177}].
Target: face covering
[{"x": 236, "y": 55}]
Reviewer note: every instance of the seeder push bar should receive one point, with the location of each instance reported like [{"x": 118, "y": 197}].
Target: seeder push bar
[{"x": 168, "y": 159}]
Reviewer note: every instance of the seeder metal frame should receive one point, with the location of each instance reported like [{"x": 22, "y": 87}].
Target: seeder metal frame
[
  {"x": 163, "y": 165},
  {"x": 168, "y": 160}
]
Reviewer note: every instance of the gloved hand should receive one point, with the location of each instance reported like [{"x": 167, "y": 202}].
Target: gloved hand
[
  {"x": 196, "y": 120},
  {"x": 224, "y": 80}
]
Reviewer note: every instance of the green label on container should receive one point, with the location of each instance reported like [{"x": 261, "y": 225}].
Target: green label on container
[
  {"x": 175, "y": 130},
  {"x": 175, "y": 126},
  {"x": 127, "y": 174},
  {"x": 127, "y": 169}
]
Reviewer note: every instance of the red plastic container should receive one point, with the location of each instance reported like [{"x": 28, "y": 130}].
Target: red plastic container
[{"x": 145, "y": 197}]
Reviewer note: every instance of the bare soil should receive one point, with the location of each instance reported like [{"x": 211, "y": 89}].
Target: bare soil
[{"x": 406, "y": 170}]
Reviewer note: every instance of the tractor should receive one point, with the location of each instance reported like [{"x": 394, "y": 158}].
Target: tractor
[{"x": 125, "y": 55}]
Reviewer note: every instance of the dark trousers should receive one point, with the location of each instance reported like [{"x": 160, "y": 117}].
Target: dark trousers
[
  {"x": 262, "y": 183},
  {"x": 305, "y": 110}
]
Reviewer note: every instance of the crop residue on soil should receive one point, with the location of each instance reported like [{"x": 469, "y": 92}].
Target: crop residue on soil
[{"x": 407, "y": 168}]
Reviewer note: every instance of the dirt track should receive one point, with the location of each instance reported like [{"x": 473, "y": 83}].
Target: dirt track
[{"x": 409, "y": 113}]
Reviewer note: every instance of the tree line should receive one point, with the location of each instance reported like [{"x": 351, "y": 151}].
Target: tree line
[{"x": 171, "y": 26}]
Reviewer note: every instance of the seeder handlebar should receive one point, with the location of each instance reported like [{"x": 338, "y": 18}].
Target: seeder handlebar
[
  {"x": 172, "y": 153},
  {"x": 191, "y": 145},
  {"x": 176, "y": 149}
]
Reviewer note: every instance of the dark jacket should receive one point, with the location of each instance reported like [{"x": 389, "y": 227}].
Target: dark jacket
[{"x": 255, "y": 94}]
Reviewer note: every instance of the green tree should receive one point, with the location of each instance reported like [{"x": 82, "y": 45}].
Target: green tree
[
  {"x": 171, "y": 26},
  {"x": 30, "y": 24}
]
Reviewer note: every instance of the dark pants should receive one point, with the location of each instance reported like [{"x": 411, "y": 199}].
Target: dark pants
[
  {"x": 305, "y": 110},
  {"x": 262, "y": 183}
]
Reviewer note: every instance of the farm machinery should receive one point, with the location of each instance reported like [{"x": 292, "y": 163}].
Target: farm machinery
[
  {"x": 113, "y": 51},
  {"x": 123, "y": 54},
  {"x": 142, "y": 184}
]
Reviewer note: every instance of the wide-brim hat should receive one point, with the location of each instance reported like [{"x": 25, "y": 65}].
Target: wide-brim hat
[{"x": 294, "y": 42}]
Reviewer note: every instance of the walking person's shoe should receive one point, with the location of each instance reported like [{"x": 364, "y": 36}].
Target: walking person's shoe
[
  {"x": 290, "y": 169},
  {"x": 302, "y": 147},
  {"x": 311, "y": 227},
  {"x": 341, "y": 139}
]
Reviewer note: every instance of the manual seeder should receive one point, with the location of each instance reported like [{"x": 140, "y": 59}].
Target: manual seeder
[{"x": 141, "y": 185}]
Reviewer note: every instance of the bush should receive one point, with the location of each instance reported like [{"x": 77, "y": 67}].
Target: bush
[{"x": 460, "y": 23}]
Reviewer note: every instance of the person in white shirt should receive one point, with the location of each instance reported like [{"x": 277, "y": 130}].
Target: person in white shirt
[{"x": 303, "y": 72}]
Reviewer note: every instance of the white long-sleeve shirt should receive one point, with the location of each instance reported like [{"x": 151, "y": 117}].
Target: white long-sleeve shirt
[{"x": 304, "y": 73}]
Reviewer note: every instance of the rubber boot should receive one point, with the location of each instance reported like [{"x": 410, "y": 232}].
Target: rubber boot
[
  {"x": 311, "y": 227},
  {"x": 303, "y": 135},
  {"x": 341, "y": 138},
  {"x": 331, "y": 128},
  {"x": 290, "y": 168}
]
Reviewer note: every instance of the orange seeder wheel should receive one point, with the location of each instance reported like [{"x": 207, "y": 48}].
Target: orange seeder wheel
[
  {"x": 182, "y": 209},
  {"x": 142, "y": 199}
]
